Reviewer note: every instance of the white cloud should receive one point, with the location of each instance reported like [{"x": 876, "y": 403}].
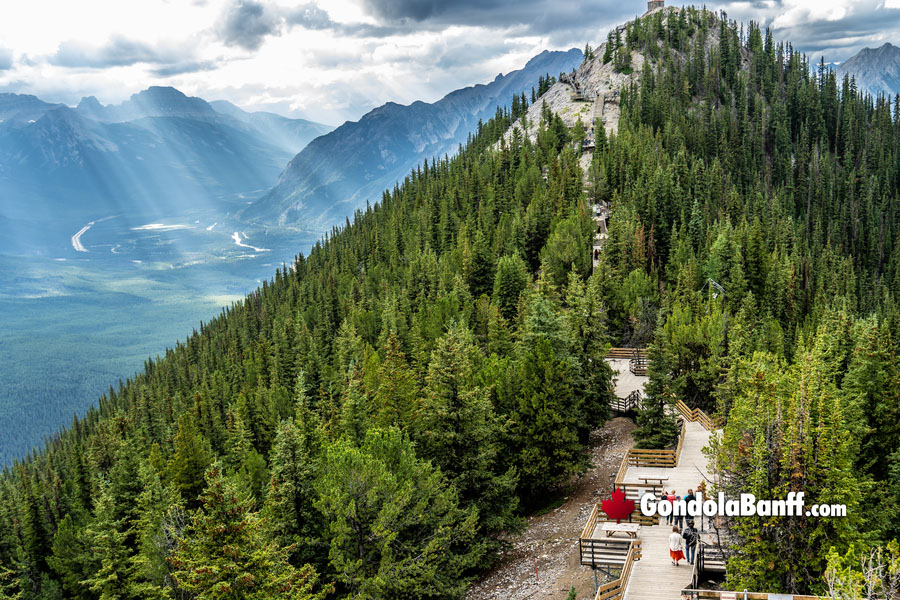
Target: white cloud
[
  {"x": 331, "y": 60},
  {"x": 807, "y": 11}
]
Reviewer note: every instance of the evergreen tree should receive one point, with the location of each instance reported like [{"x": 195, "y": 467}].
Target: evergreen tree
[
  {"x": 545, "y": 421},
  {"x": 224, "y": 554},
  {"x": 395, "y": 396},
  {"x": 106, "y": 537},
  {"x": 290, "y": 517},
  {"x": 189, "y": 461},
  {"x": 457, "y": 430},
  {"x": 394, "y": 526}
]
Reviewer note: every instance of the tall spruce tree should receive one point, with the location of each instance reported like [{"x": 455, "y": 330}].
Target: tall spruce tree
[{"x": 224, "y": 554}]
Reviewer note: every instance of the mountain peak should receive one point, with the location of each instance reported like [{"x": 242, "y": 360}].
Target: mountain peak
[
  {"x": 89, "y": 102},
  {"x": 876, "y": 70},
  {"x": 160, "y": 91},
  {"x": 165, "y": 101},
  {"x": 340, "y": 171}
]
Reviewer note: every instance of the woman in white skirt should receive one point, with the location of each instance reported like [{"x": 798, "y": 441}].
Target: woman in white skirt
[{"x": 676, "y": 546}]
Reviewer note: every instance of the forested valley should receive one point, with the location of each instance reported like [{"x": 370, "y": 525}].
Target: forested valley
[{"x": 371, "y": 421}]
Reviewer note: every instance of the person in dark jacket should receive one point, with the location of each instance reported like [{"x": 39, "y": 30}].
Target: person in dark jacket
[{"x": 691, "y": 539}]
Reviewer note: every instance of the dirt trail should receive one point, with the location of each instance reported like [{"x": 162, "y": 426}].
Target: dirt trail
[{"x": 552, "y": 538}]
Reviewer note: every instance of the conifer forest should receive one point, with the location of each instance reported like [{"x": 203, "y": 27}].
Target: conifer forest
[{"x": 379, "y": 417}]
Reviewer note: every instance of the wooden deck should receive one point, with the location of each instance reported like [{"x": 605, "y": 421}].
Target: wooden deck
[
  {"x": 626, "y": 381},
  {"x": 654, "y": 576}
]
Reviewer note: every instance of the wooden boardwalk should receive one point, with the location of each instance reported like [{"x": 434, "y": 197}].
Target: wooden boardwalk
[
  {"x": 654, "y": 577},
  {"x": 626, "y": 382}
]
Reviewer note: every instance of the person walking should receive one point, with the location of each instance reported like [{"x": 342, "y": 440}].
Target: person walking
[
  {"x": 670, "y": 498},
  {"x": 701, "y": 489},
  {"x": 691, "y": 538},
  {"x": 679, "y": 519},
  {"x": 676, "y": 545},
  {"x": 688, "y": 498}
]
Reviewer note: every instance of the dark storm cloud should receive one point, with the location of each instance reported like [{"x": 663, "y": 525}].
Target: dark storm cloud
[
  {"x": 247, "y": 23},
  {"x": 117, "y": 52},
  {"x": 566, "y": 23},
  {"x": 538, "y": 16},
  {"x": 194, "y": 66}
]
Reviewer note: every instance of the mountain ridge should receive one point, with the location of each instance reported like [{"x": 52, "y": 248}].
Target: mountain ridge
[
  {"x": 876, "y": 70},
  {"x": 160, "y": 150},
  {"x": 338, "y": 172}
]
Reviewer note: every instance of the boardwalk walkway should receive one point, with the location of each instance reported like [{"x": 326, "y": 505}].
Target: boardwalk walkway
[
  {"x": 654, "y": 576},
  {"x": 651, "y": 576}
]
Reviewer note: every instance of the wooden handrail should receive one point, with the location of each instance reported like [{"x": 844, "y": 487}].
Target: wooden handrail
[
  {"x": 588, "y": 530},
  {"x": 623, "y": 468},
  {"x": 695, "y": 415},
  {"x": 626, "y": 353},
  {"x": 615, "y": 590},
  {"x": 681, "y": 435},
  {"x": 715, "y": 594}
]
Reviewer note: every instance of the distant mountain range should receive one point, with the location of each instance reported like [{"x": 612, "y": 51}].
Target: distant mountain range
[
  {"x": 876, "y": 70},
  {"x": 162, "y": 151},
  {"x": 157, "y": 151},
  {"x": 338, "y": 172}
]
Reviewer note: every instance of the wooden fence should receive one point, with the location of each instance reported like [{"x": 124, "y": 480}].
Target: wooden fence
[
  {"x": 695, "y": 415},
  {"x": 718, "y": 595},
  {"x": 626, "y": 404},
  {"x": 615, "y": 590},
  {"x": 652, "y": 458},
  {"x": 626, "y": 353},
  {"x": 638, "y": 366}
]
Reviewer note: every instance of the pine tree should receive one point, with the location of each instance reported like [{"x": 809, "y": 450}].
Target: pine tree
[
  {"x": 586, "y": 328},
  {"x": 106, "y": 538},
  {"x": 72, "y": 560},
  {"x": 395, "y": 396},
  {"x": 786, "y": 433},
  {"x": 355, "y": 418},
  {"x": 160, "y": 508},
  {"x": 545, "y": 422},
  {"x": 394, "y": 526},
  {"x": 224, "y": 554},
  {"x": 510, "y": 280},
  {"x": 290, "y": 517},
  {"x": 189, "y": 461},
  {"x": 457, "y": 430}
]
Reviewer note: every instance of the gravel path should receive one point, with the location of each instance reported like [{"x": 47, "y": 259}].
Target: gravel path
[{"x": 551, "y": 540}]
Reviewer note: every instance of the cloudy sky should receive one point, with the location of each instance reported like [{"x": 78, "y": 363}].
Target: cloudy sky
[{"x": 332, "y": 60}]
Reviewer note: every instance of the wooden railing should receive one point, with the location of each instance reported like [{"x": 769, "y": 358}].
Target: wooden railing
[
  {"x": 638, "y": 366},
  {"x": 628, "y": 403},
  {"x": 588, "y": 530},
  {"x": 623, "y": 468},
  {"x": 711, "y": 594},
  {"x": 695, "y": 415},
  {"x": 626, "y": 353},
  {"x": 651, "y": 458},
  {"x": 615, "y": 590},
  {"x": 681, "y": 436}
]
